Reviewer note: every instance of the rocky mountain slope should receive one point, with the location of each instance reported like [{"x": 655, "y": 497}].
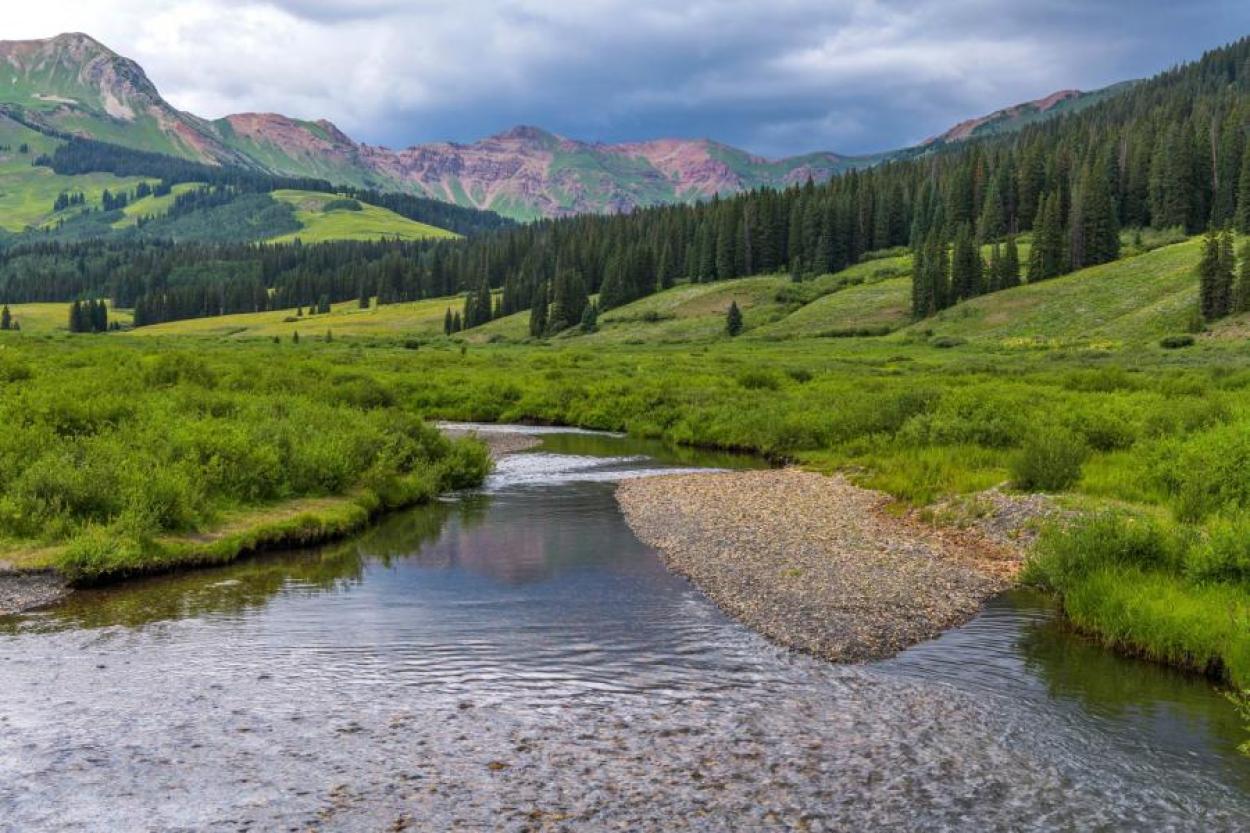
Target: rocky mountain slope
[{"x": 74, "y": 84}]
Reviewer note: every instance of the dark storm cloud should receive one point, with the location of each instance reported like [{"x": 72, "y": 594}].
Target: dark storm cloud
[{"x": 777, "y": 78}]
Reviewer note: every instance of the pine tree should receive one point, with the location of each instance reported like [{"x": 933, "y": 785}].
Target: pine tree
[
  {"x": 1010, "y": 266},
  {"x": 992, "y": 224},
  {"x": 457, "y": 323},
  {"x": 1241, "y": 292},
  {"x": 568, "y": 301},
  {"x": 447, "y": 330},
  {"x": 1100, "y": 224},
  {"x": 538, "y": 311},
  {"x": 994, "y": 274},
  {"x": 733, "y": 319},
  {"x": 75, "y": 317},
  {"x": 590, "y": 319},
  {"x": 6, "y": 318},
  {"x": 967, "y": 268},
  {"x": 665, "y": 269},
  {"x": 1227, "y": 266},
  {"x": 295, "y": 336},
  {"x": 1243, "y": 194},
  {"x": 1210, "y": 291},
  {"x": 1046, "y": 258},
  {"x": 921, "y": 285},
  {"x": 363, "y": 300}
]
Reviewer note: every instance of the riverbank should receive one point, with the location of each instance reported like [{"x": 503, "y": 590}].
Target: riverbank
[
  {"x": 38, "y": 577},
  {"x": 815, "y": 563}
]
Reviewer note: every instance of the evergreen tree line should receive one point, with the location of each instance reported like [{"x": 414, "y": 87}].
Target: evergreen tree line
[
  {"x": 64, "y": 200},
  {"x": 90, "y": 316}
]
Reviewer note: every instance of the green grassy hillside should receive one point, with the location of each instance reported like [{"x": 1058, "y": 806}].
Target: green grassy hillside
[
  {"x": 323, "y": 219},
  {"x": 420, "y": 319},
  {"x": 39, "y": 319},
  {"x": 1136, "y": 299},
  {"x": 27, "y": 193}
]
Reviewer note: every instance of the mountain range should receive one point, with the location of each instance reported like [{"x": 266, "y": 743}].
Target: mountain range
[{"x": 72, "y": 84}]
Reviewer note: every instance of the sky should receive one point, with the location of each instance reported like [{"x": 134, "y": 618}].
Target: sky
[{"x": 776, "y": 77}]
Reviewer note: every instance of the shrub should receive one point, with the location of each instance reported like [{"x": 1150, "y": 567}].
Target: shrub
[
  {"x": 1068, "y": 552},
  {"x": 1176, "y": 342},
  {"x": 1208, "y": 472},
  {"x": 759, "y": 380},
  {"x": 1224, "y": 555},
  {"x": 946, "y": 342},
  {"x": 342, "y": 205},
  {"x": 1049, "y": 461},
  {"x": 1104, "y": 431}
]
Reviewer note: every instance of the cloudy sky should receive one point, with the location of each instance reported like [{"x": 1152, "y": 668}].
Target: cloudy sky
[{"x": 773, "y": 76}]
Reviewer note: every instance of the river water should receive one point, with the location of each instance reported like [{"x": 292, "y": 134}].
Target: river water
[{"x": 514, "y": 659}]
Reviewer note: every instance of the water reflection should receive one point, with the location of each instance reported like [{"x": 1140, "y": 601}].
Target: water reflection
[{"x": 1020, "y": 649}]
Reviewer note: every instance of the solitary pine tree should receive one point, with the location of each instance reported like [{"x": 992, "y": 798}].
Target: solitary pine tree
[
  {"x": 6, "y": 318},
  {"x": 733, "y": 319},
  {"x": 590, "y": 319},
  {"x": 447, "y": 322},
  {"x": 295, "y": 336},
  {"x": 1010, "y": 266},
  {"x": 1212, "y": 296}
]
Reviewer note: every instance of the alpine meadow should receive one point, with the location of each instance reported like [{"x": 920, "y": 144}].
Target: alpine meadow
[{"x": 545, "y": 484}]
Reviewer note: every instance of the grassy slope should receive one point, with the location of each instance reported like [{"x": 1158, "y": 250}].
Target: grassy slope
[
  {"x": 27, "y": 192},
  {"x": 419, "y": 319},
  {"x": 371, "y": 223},
  {"x": 1132, "y": 300},
  {"x": 153, "y": 206},
  {"x": 37, "y": 319}
]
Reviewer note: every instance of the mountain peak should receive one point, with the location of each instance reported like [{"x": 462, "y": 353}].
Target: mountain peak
[{"x": 526, "y": 133}]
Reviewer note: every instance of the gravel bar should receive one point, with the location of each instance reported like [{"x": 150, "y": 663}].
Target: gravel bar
[
  {"x": 500, "y": 443},
  {"x": 25, "y": 591},
  {"x": 815, "y": 563}
]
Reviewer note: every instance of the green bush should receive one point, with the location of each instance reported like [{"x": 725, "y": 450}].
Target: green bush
[
  {"x": 1069, "y": 551},
  {"x": 755, "y": 379},
  {"x": 1208, "y": 472},
  {"x": 1224, "y": 554},
  {"x": 1176, "y": 342},
  {"x": 342, "y": 205},
  {"x": 1049, "y": 461}
]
